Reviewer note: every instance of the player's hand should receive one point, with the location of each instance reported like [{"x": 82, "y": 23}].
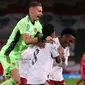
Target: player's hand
[
  {"x": 63, "y": 59},
  {"x": 38, "y": 34},
  {"x": 41, "y": 38}
]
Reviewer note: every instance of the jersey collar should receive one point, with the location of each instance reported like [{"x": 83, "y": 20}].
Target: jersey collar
[
  {"x": 30, "y": 19},
  {"x": 14, "y": 83}
]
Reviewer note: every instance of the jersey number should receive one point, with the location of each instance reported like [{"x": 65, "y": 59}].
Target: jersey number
[{"x": 35, "y": 56}]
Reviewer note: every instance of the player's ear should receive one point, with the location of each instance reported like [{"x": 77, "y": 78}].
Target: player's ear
[
  {"x": 53, "y": 35},
  {"x": 31, "y": 10}
]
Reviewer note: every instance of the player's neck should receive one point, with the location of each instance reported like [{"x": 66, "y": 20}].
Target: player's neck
[
  {"x": 41, "y": 44},
  {"x": 31, "y": 19}
]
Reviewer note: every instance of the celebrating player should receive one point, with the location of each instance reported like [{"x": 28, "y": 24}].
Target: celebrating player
[
  {"x": 22, "y": 35},
  {"x": 40, "y": 58},
  {"x": 67, "y": 37}
]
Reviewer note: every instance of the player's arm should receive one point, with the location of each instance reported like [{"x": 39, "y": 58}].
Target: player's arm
[
  {"x": 55, "y": 53},
  {"x": 58, "y": 53},
  {"x": 37, "y": 38},
  {"x": 64, "y": 62},
  {"x": 66, "y": 57},
  {"x": 26, "y": 34},
  {"x": 28, "y": 39},
  {"x": 60, "y": 58}
]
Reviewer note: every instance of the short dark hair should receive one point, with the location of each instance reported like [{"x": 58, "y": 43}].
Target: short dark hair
[
  {"x": 68, "y": 31},
  {"x": 48, "y": 29},
  {"x": 34, "y": 4}
]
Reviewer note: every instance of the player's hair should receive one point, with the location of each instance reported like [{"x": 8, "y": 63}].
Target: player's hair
[
  {"x": 68, "y": 31},
  {"x": 34, "y": 4},
  {"x": 47, "y": 30},
  {"x": 82, "y": 54}
]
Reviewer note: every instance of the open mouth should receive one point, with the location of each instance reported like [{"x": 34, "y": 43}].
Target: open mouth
[{"x": 38, "y": 16}]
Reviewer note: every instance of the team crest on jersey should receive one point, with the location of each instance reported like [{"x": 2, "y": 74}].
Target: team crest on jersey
[
  {"x": 35, "y": 30},
  {"x": 28, "y": 27}
]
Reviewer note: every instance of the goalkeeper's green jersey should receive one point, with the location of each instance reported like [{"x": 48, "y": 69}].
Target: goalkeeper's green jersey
[{"x": 15, "y": 44}]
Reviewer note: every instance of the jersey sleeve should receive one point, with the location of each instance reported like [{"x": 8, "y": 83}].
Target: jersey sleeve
[
  {"x": 54, "y": 50},
  {"x": 66, "y": 56},
  {"x": 27, "y": 54},
  {"x": 67, "y": 52},
  {"x": 66, "y": 62},
  {"x": 23, "y": 28}
]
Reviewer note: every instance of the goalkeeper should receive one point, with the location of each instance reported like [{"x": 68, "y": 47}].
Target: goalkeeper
[{"x": 22, "y": 35}]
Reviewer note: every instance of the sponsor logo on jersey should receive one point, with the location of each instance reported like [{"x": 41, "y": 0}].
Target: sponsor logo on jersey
[
  {"x": 28, "y": 27},
  {"x": 35, "y": 30}
]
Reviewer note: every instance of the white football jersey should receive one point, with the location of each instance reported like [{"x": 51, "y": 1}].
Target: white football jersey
[
  {"x": 56, "y": 72},
  {"x": 42, "y": 61},
  {"x": 25, "y": 61}
]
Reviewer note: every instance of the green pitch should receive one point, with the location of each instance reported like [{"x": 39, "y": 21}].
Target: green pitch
[{"x": 72, "y": 81}]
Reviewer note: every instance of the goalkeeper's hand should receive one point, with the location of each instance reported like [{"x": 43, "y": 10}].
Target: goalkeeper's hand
[
  {"x": 38, "y": 34},
  {"x": 41, "y": 38}
]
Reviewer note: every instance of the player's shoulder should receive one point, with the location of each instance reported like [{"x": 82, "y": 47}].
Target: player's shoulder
[
  {"x": 6, "y": 82},
  {"x": 53, "y": 41},
  {"x": 56, "y": 39},
  {"x": 38, "y": 24},
  {"x": 23, "y": 20},
  {"x": 50, "y": 42}
]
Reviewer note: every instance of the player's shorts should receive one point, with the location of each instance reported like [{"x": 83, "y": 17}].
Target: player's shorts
[
  {"x": 56, "y": 82},
  {"x": 35, "y": 84},
  {"x": 23, "y": 81}
]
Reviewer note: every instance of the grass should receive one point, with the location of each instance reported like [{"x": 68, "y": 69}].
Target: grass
[{"x": 72, "y": 81}]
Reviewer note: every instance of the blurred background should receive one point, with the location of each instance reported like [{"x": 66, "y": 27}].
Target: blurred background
[{"x": 61, "y": 13}]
